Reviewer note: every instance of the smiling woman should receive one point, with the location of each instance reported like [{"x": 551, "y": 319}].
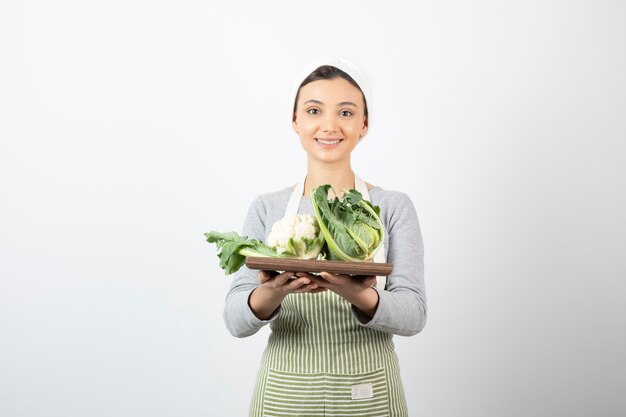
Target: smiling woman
[
  {"x": 328, "y": 119},
  {"x": 330, "y": 351}
]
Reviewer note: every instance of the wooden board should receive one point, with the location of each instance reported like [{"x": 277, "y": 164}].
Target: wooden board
[{"x": 312, "y": 265}]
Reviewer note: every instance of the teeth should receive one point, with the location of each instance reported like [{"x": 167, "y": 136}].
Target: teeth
[{"x": 328, "y": 142}]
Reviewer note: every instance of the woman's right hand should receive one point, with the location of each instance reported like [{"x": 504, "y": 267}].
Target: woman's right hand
[{"x": 266, "y": 298}]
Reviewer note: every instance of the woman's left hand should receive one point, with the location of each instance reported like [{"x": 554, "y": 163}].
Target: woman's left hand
[{"x": 356, "y": 290}]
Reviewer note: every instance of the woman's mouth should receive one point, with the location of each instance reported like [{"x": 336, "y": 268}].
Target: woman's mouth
[{"x": 328, "y": 143}]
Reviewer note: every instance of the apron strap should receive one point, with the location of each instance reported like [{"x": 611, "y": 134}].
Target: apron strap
[{"x": 294, "y": 200}]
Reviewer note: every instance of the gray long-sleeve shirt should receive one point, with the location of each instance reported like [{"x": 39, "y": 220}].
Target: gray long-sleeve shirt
[{"x": 402, "y": 304}]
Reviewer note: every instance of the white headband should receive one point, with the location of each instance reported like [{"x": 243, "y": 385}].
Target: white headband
[{"x": 347, "y": 66}]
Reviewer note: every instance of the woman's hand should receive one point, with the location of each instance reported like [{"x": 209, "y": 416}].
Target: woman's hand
[
  {"x": 266, "y": 298},
  {"x": 356, "y": 290}
]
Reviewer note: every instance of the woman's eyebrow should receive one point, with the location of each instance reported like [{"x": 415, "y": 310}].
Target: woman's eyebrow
[{"x": 343, "y": 103}]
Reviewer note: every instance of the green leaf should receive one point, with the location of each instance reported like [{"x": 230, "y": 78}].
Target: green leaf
[
  {"x": 351, "y": 225},
  {"x": 233, "y": 249}
]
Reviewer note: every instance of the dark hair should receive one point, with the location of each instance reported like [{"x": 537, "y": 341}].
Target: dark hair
[{"x": 327, "y": 72}]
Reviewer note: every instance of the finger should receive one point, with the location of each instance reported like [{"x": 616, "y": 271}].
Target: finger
[
  {"x": 315, "y": 283},
  {"x": 281, "y": 279},
  {"x": 310, "y": 288},
  {"x": 312, "y": 277},
  {"x": 305, "y": 274},
  {"x": 332, "y": 278},
  {"x": 297, "y": 283},
  {"x": 263, "y": 276},
  {"x": 320, "y": 281},
  {"x": 304, "y": 288},
  {"x": 312, "y": 283}
]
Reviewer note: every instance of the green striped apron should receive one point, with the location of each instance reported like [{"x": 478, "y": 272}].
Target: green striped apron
[{"x": 320, "y": 362}]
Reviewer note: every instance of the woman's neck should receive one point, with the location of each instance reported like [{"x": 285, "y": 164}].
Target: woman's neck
[{"x": 339, "y": 175}]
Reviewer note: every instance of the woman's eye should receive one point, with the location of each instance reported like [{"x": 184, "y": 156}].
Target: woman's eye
[
  {"x": 346, "y": 113},
  {"x": 313, "y": 111}
]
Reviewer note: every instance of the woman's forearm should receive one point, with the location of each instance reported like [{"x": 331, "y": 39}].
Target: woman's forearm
[
  {"x": 366, "y": 302},
  {"x": 263, "y": 302}
]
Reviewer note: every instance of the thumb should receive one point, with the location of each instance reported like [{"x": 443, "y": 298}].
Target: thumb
[{"x": 369, "y": 281}]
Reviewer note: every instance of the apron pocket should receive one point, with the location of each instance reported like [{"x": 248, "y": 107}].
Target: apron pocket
[{"x": 323, "y": 394}]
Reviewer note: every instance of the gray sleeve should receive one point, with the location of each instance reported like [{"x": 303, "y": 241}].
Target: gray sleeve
[
  {"x": 402, "y": 304},
  {"x": 238, "y": 317}
]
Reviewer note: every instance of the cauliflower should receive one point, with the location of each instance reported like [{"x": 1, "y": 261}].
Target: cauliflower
[{"x": 298, "y": 236}]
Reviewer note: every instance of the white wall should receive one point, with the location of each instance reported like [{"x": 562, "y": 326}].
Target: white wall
[{"x": 129, "y": 128}]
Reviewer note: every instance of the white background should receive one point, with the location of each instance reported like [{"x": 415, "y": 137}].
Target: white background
[{"x": 129, "y": 128}]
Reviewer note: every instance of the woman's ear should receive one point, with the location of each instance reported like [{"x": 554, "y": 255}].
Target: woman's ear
[
  {"x": 294, "y": 124},
  {"x": 364, "y": 128}
]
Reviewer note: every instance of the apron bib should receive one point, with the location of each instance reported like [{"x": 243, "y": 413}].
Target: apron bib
[{"x": 319, "y": 361}]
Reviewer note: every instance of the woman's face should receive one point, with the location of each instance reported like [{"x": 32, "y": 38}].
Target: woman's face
[{"x": 330, "y": 119}]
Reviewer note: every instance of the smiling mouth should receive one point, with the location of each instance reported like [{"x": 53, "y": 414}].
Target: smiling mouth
[{"x": 328, "y": 142}]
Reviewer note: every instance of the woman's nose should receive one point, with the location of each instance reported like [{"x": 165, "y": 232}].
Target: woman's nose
[{"x": 330, "y": 123}]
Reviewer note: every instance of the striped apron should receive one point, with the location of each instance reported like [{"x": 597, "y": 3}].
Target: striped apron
[{"x": 320, "y": 362}]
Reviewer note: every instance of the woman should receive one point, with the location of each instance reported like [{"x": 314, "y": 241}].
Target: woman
[{"x": 330, "y": 351}]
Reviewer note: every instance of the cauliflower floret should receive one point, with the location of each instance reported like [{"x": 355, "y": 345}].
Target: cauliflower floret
[
  {"x": 288, "y": 234},
  {"x": 305, "y": 229}
]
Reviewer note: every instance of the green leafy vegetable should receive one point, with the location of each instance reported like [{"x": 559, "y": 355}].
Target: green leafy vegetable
[
  {"x": 233, "y": 249},
  {"x": 351, "y": 226},
  {"x": 347, "y": 228}
]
